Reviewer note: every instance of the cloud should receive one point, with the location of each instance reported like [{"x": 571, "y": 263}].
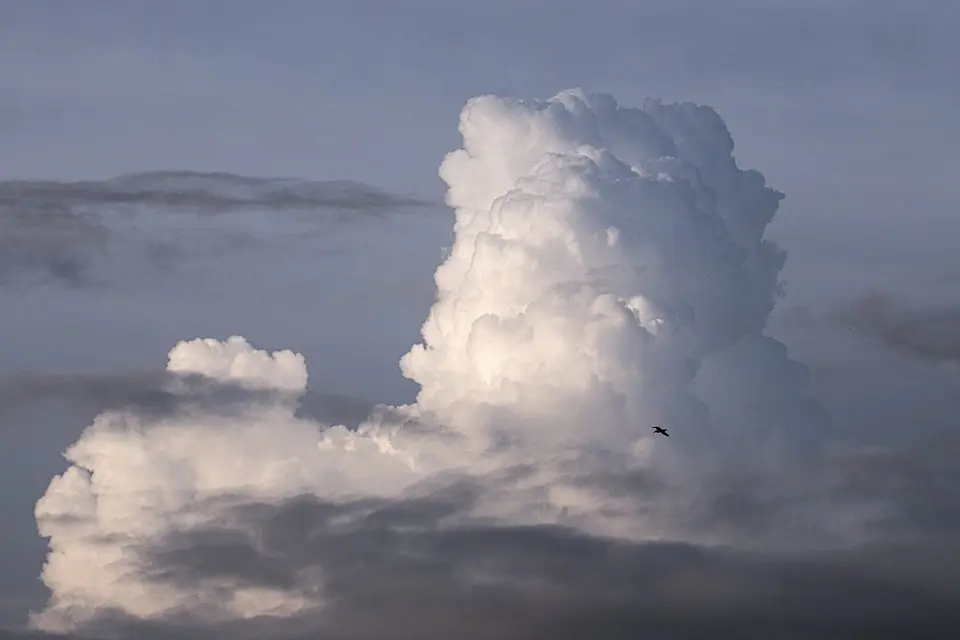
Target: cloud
[
  {"x": 49, "y": 241},
  {"x": 931, "y": 333},
  {"x": 204, "y": 192},
  {"x": 68, "y": 232},
  {"x": 426, "y": 580},
  {"x": 521, "y": 581},
  {"x": 609, "y": 271},
  {"x": 195, "y": 383},
  {"x": 629, "y": 233},
  {"x": 158, "y": 395}
]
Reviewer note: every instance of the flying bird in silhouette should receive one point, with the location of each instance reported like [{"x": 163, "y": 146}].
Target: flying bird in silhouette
[{"x": 661, "y": 430}]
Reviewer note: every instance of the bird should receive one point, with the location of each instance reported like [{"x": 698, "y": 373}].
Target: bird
[{"x": 661, "y": 430}]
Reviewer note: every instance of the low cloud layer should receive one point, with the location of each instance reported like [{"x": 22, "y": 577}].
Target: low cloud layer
[
  {"x": 391, "y": 569},
  {"x": 69, "y": 233},
  {"x": 928, "y": 332},
  {"x": 430, "y": 569}
]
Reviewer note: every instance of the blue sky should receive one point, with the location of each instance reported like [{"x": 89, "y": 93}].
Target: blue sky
[{"x": 371, "y": 90}]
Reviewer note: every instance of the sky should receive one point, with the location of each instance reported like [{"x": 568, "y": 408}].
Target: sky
[{"x": 279, "y": 171}]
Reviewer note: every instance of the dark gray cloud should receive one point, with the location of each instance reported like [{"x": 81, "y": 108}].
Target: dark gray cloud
[
  {"x": 932, "y": 333},
  {"x": 65, "y": 232},
  {"x": 395, "y": 570},
  {"x": 204, "y": 192},
  {"x": 919, "y": 483},
  {"x": 159, "y": 395},
  {"x": 47, "y": 241},
  {"x": 848, "y": 492}
]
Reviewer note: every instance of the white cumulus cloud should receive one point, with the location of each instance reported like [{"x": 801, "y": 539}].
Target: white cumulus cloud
[{"x": 609, "y": 272}]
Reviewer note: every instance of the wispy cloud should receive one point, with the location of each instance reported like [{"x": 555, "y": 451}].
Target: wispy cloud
[
  {"x": 931, "y": 332},
  {"x": 160, "y": 395},
  {"x": 64, "y": 232},
  {"x": 189, "y": 191}
]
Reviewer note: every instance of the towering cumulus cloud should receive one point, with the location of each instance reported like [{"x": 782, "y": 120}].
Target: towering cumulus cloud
[
  {"x": 609, "y": 272},
  {"x": 601, "y": 255}
]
